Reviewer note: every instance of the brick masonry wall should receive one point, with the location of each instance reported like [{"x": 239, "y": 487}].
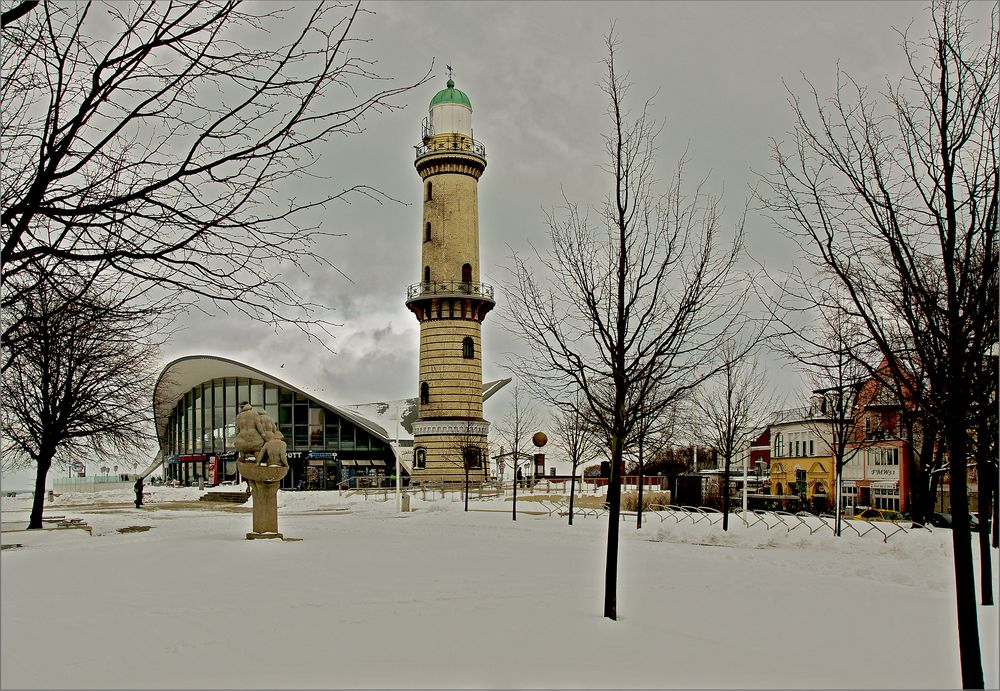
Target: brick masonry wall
[
  {"x": 444, "y": 458},
  {"x": 453, "y": 214}
]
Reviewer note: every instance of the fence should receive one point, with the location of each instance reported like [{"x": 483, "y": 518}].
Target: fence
[{"x": 97, "y": 483}]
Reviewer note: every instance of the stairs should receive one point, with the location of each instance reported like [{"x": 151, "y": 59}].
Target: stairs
[{"x": 227, "y": 497}]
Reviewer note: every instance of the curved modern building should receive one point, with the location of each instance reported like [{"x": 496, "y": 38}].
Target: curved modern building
[
  {"x": 196, "y": 402},
  {"x": 198, "y": 397}
]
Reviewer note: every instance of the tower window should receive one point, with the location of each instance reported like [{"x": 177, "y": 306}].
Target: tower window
[
  {"x": 420, "y": 457},
  {"x": 427, "y": 232},
  {"x": 427, "y": 274},
  {"x": 425, "y": 393},
  {"x": 473, "y": 458},
  {"x": 430, "y": 191},
  {"x": 466, "y": 273},
  {"x": 468, "y": 347}
]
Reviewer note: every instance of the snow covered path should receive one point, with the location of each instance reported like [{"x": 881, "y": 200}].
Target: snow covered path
[{"x": 441, "y": 599}]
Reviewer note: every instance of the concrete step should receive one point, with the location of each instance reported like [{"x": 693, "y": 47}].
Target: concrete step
[{"x": 230, "y": 497}]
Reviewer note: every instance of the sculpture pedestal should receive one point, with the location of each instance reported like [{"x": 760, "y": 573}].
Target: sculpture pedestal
[{"x": 263, "y": 481}]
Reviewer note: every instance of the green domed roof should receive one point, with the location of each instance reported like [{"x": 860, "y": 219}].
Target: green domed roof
[{"x": 450, "y": 95}]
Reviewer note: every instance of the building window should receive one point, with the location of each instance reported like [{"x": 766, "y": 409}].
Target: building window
[
  {"x": 885, "y": 456},
  {"x": 427, "y": 274},
  {"x": 886, "y": 498},
  {"x": 427, "y": 232},
  {"x": 466, "y": 273},
  {"x": 420, "y": 457},
  {"x": 430, "y": 191},
  {"x": 812, "y": 449},
  {"x": 468, "y": 348},
  {"x": 868, "y": 424},
  {"x": 425, "y": 393},
  {"x": 849, "y": 496},
  {"x": 473, "y": 458}
]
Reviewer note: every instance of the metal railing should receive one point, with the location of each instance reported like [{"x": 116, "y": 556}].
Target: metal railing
[
  {"x": 457, "y": 143},
  {"x": 450, "y": 288}
]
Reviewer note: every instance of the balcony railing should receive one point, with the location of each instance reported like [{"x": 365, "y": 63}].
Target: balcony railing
[
  {"x": 450, "y": 288},
  {"x": 456, "y": 143}
]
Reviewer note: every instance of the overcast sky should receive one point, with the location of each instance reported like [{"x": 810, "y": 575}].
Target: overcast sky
[{"x": 531, "y": 71}]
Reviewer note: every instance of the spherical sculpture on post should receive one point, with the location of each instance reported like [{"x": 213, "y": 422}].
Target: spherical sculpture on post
[{"x": 539, "y": 439}]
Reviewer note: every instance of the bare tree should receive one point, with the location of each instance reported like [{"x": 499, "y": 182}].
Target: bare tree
[
  {"x": 515, "y": 430},
  {"x": 627, "y": 312},
  {"x": 167, "y": 143},
  {"x": 81, "y": 386},
  {"x": 896, "y": 201},
  {"x": 729, "y": 407},
  {"x": 16, "y": 12},
  {"x": 469, "y": 452},
  {"x": 575, "y": 436}
]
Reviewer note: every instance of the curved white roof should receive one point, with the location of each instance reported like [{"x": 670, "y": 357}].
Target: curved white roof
[{"x": 183, "y": 374}]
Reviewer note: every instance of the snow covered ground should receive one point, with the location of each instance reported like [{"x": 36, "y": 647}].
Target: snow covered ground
[{"x": 439, "y": 598}]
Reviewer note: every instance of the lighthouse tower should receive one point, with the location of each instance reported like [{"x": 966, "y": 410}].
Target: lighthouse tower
[{"x": 449, "y": 434}]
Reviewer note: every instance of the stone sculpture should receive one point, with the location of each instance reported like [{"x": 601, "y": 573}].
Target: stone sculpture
[
  {"x": 249, "y": 432},
  {"x": 274, "y": 452},
  {"x": 267, "y": 424},
  {"x": 262, "y": 463}
]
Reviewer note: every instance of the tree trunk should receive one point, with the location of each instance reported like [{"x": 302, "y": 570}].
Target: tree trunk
[
  {"x": 986, "y": 484},
  {"x": 638, "y": 511},
  {"x": 996, "y": 521},
  {"x": 572, "y": 491},
  {"x": 929, "y": 456},
  {"x": 614, "y": 512},
  {"x": 918, "y": 484},
  {"x": 838, "y": 498},
  {"x": 965, "y": 582},
  {"x": 38, "y": 501},
  {"x": 513, "y": 508},
  {"x": 725, "y": 496}
]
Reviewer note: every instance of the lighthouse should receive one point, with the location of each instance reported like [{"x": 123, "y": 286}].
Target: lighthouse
[{"x": 449, "y": 301}]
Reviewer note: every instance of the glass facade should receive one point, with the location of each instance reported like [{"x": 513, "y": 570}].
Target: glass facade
[{"x": 200, "y": 433}]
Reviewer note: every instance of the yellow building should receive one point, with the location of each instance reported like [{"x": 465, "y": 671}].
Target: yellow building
[
  {"x": 450, "y": 303},
  {"x": 801, "y": 458}
]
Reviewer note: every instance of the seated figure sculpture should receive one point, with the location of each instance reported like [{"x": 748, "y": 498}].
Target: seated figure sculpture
[
  {"x": 267, "y": 423},
  {"x": 249, "y": 433},
  {"x": 274, "y": 451}
]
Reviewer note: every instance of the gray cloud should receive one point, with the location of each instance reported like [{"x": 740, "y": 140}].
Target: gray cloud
[{"x": 531, "y": 71}]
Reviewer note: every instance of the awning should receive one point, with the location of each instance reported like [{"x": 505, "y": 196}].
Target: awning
[{"x": 378, "y": 463}]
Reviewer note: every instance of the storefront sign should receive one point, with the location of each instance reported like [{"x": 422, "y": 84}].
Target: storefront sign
[{"x": 883, "y": 472}]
